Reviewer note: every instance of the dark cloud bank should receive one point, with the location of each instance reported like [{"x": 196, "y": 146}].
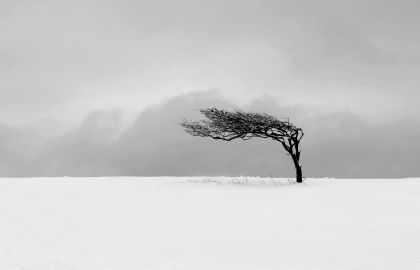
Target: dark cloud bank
[{"x": 338, "y": 144}]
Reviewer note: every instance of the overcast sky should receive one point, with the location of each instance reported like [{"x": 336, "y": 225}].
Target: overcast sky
[{"x": 78, "y": 77}]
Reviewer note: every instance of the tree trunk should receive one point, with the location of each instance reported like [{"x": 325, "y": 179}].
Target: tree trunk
[
  {"x": 298, "y": 170},
  {"x": 293, "y": 149}
]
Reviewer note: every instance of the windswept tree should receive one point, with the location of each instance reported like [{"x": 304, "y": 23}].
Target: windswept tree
[{"x": 237, "y": 124}]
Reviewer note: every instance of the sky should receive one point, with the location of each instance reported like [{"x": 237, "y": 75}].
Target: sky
[{"x": 98, "y": 87}]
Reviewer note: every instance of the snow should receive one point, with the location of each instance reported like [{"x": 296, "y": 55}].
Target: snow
[{"x": 209, "y": 223}]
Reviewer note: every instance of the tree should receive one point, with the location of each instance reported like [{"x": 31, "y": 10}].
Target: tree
[{"x": 237, "y": 124}]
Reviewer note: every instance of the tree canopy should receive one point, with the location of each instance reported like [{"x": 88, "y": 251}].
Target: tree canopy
[{"x": 237, "y": 124}]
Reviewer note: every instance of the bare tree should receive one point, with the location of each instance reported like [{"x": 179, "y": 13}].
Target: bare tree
[{"x": 227, "y": 126}]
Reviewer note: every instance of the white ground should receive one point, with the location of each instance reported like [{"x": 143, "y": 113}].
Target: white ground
[{"x": 197, "y": 224}]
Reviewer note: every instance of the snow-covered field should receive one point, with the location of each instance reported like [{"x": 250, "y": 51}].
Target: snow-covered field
[{"x": 208, "y": 223}]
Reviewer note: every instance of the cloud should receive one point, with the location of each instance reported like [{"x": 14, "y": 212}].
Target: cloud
[
  {"x": 343, "y": 145},
  {"x": 63, "y": 59},
  {"x": 336, "y": 144}
]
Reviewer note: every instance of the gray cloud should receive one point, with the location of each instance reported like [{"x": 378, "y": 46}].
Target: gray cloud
[
  {"x": 336, "y": 144},
  {"x": 60, "y": 60},
  {"x": 63, "y": 59}
]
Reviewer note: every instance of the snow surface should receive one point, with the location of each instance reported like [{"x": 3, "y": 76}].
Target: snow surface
[{"x": 208, "y": 223}]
